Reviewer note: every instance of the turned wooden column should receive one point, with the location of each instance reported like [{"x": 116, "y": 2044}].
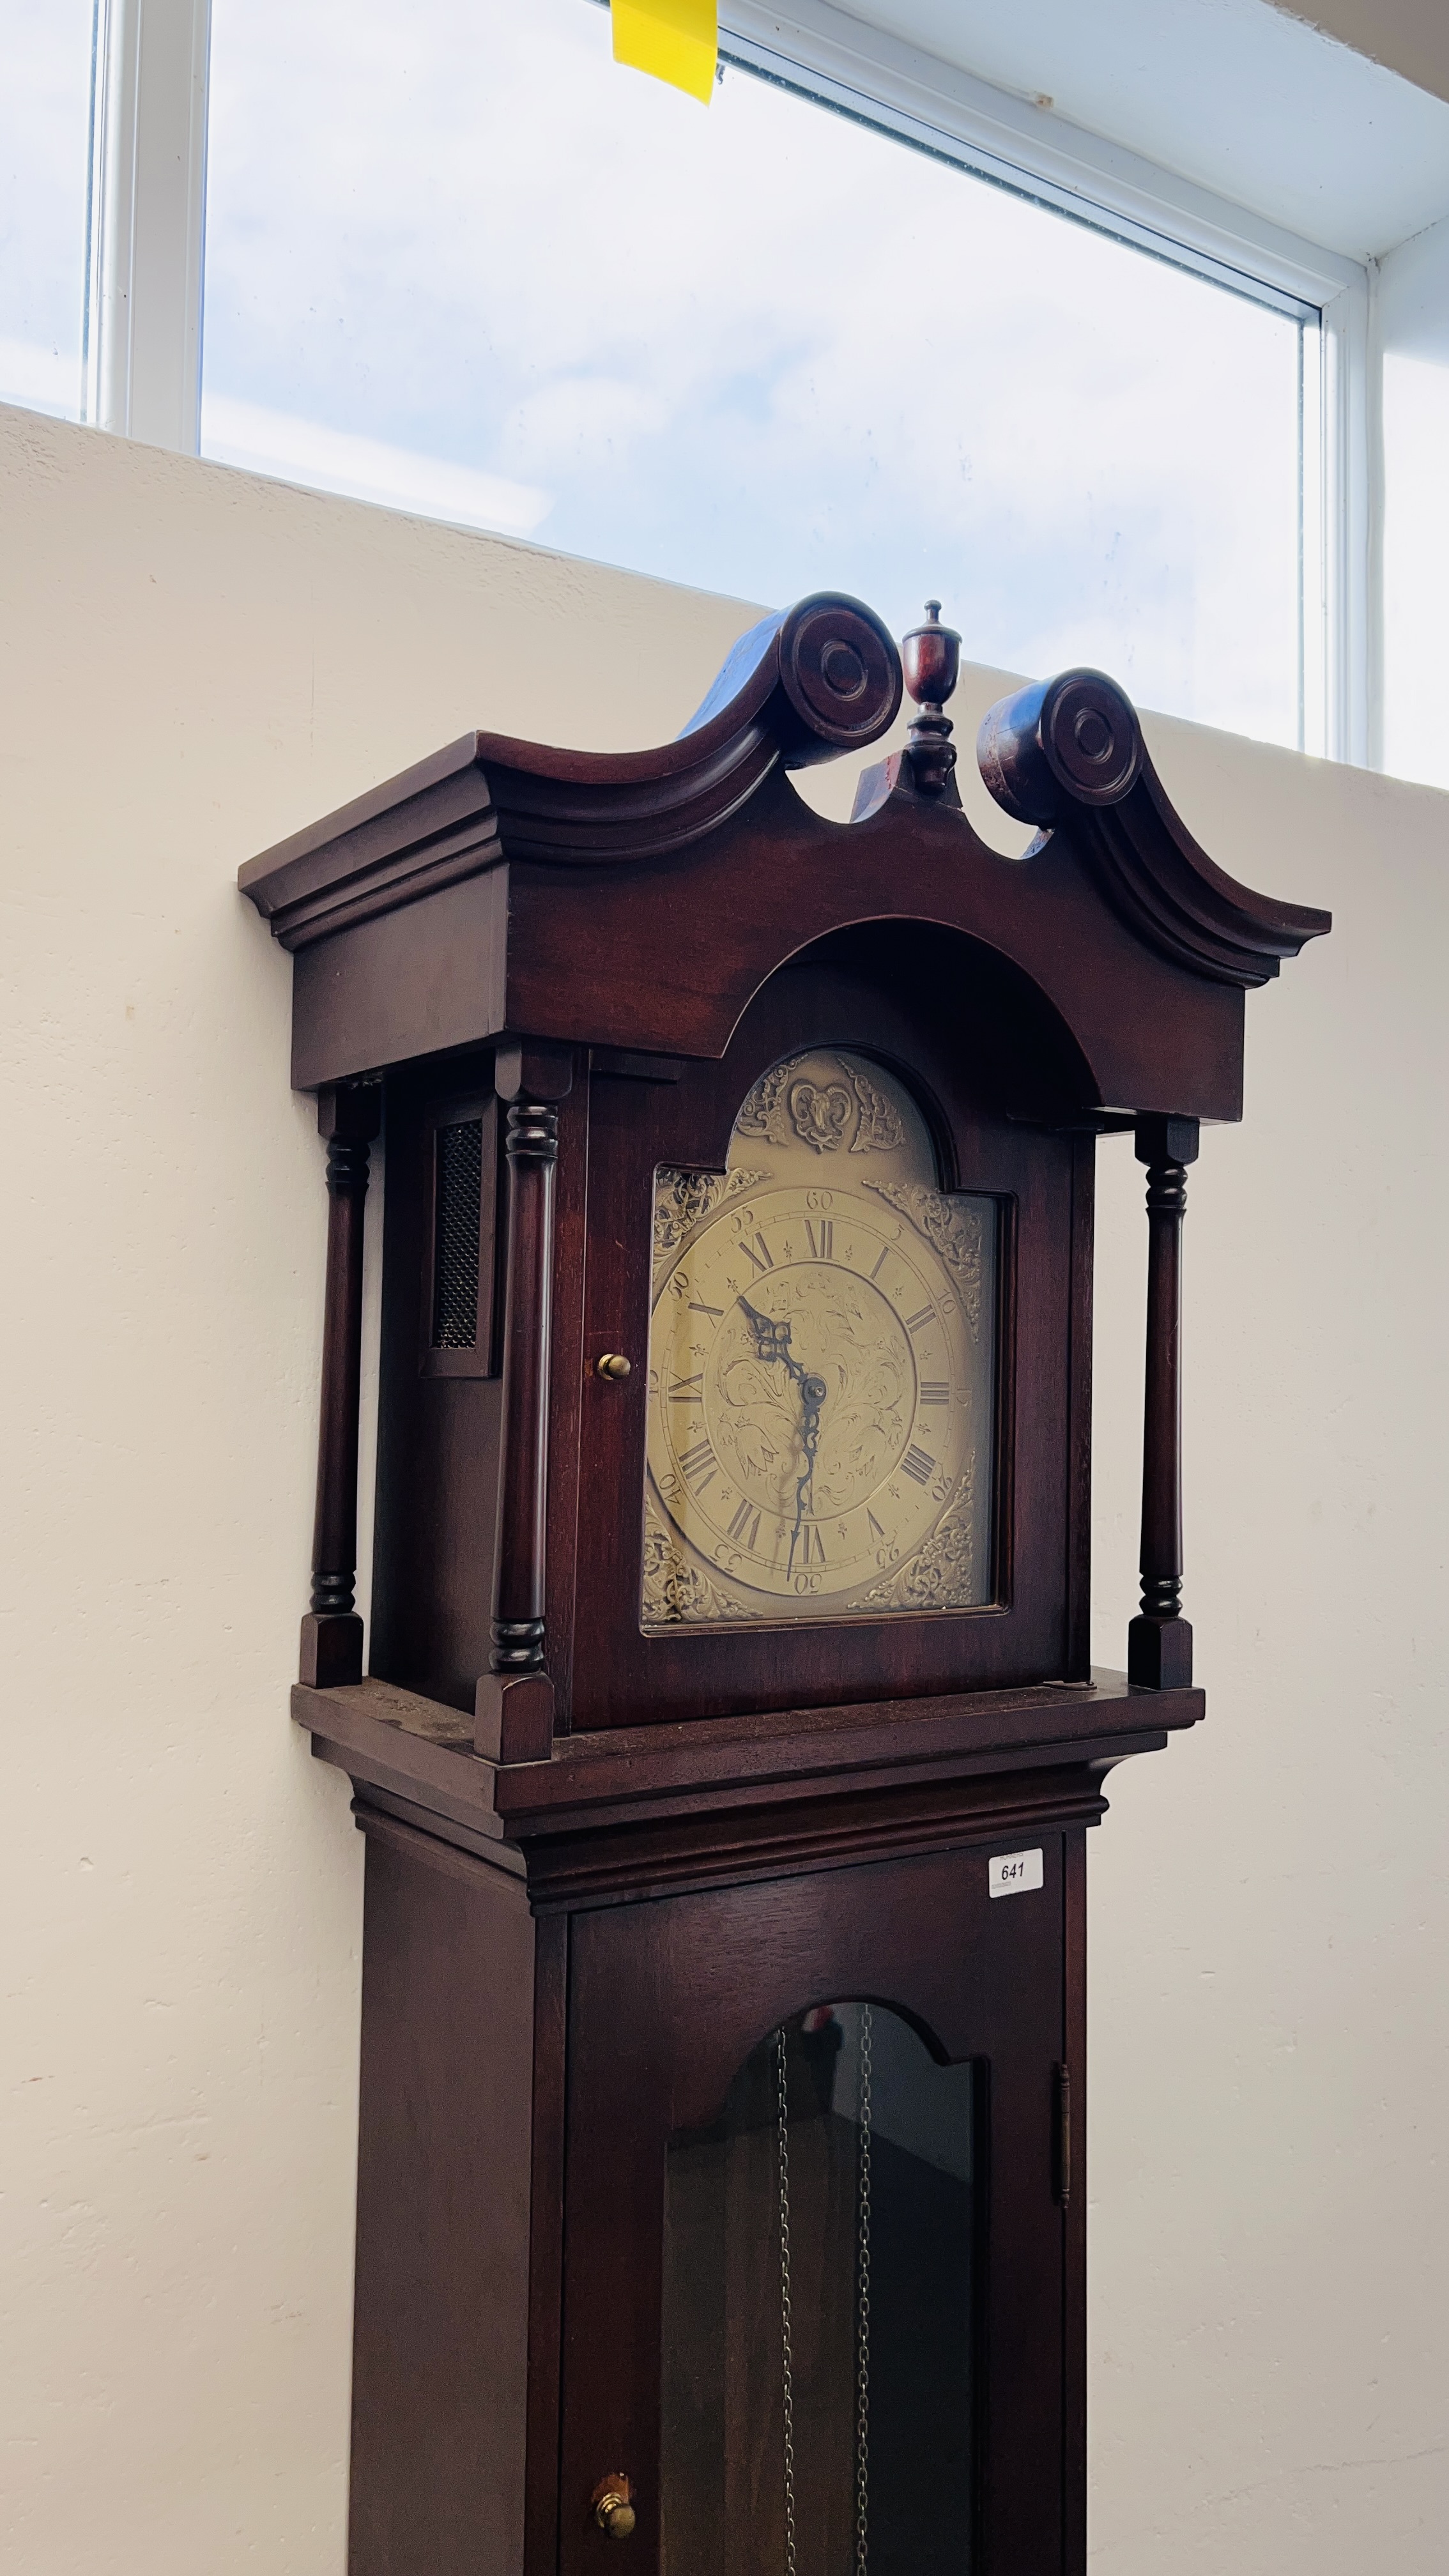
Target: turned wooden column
[
  {"x": 515, "y": 1698},
  {"x": 1159, "y": 1639},
  {"x": 348, "y": 1116}
]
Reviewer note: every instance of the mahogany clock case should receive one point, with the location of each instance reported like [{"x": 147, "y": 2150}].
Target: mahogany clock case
[
  {"x": 984, "y": 1983},
  {"x": 686, "y": 906},
  {"x": 607, "y": 1870},
  {"x": 933, "y": 1012},
  {"x": 524, "y": 2310}
]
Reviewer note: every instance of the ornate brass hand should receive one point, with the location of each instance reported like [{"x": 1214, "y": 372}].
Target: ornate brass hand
[{"x": 772, "y": 1342}]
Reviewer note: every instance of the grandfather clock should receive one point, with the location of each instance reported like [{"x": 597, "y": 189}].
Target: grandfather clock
[{"x": 730, "y": 1736}]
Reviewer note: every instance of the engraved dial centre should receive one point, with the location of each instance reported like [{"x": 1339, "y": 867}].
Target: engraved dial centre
[{"x": 847, "y": 1337}]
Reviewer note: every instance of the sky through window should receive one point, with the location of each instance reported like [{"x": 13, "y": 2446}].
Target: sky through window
[
  {"x": 461, "y": 261},
  {"x": 45, "y": 99}
]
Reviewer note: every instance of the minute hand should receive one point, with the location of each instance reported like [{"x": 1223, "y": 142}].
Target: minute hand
[{"x": 772, "y": 1342}]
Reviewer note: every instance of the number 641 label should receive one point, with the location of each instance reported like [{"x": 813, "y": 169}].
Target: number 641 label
[{"x": 1014, "y": 1873}]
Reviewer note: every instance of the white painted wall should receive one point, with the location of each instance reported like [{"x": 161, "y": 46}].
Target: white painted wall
[
  {"x": 195, "y": 663},
  {"x": 1411, "y": 35}
]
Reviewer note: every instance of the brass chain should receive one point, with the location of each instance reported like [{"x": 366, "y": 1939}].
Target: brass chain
[
  {"x": 787, "y": 2365},
  {"x": 862, "y": 2310},
  {"x": 862, "y": 2302}
]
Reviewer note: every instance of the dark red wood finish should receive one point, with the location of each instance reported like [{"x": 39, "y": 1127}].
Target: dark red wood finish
[
  {"x": 435, "y": 1531},
  {"x": 778, "y": 878},
  {"x": 648, "y": 902},
  {"x": 602, "y": 1867},
  {"x": 443, "y": 2317},
  {"x": 520, "y": 2081},
  {"x": 546, "y": 2242},
  {"x": 639, "y": 900},
  {"x": 1074, "y": 2268},
  {"x": 639, "y": 1811},
  {"x": 930, "y": 1018},
  {"x": 348, "y": 1117},
  {"x": 682, "y": 1901},
  {"x": 1159, "y": 1640},
  {"x": 666, "y": 2002},
  {"x": 515, "y": 1697}
]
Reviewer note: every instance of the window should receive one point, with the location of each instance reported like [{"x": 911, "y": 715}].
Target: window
[
  {"x": 459, "y": 262},
  {"x": 1416, "y": 550},
  {"x": 45, "y": 162},
  {"x": 463, "y": 263}
]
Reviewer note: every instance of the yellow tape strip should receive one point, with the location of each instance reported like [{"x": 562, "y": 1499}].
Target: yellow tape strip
[{"x": 676, "y": 40}]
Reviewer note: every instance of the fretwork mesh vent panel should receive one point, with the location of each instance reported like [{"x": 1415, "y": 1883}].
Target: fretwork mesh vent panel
[{"x": 456, "y": 1236}]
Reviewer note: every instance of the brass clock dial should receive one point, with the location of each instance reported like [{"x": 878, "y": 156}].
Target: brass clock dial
[{"x": 821, "y": 1365}]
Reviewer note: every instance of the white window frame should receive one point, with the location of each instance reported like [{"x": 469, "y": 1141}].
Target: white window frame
[
  {"x": 146, "y": 233},
  {"x": 813, "y": 47},
  {"x": 146, "y": 220}
]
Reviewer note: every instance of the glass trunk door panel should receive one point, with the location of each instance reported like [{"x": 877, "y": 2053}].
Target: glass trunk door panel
[{"x": 818, "y": 2366}]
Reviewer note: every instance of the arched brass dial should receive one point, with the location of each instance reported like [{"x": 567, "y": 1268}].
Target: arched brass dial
[{"x": 820, "y": 1367}]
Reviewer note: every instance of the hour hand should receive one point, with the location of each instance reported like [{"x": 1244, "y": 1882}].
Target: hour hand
[{"x": 772, "y": 1340}]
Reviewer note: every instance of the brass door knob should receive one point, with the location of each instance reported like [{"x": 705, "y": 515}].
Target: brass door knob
[
  {"x": 613, "y": 2511},
  {"x": 613, "y": 1365}
]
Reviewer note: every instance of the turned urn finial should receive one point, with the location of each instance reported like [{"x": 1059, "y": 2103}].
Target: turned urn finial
[{"x": 931, "y": 657}]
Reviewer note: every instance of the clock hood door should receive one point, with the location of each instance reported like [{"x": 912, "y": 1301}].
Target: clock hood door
[{"x": 848, "y": 1460}]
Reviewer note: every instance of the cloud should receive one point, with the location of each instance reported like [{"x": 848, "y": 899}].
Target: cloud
[
  {"x": 42, "y": 379},
  {"x": 333, "y": 460},
  {"x": 460, "y": 263},
  {"x": 44, "y": 144}
]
